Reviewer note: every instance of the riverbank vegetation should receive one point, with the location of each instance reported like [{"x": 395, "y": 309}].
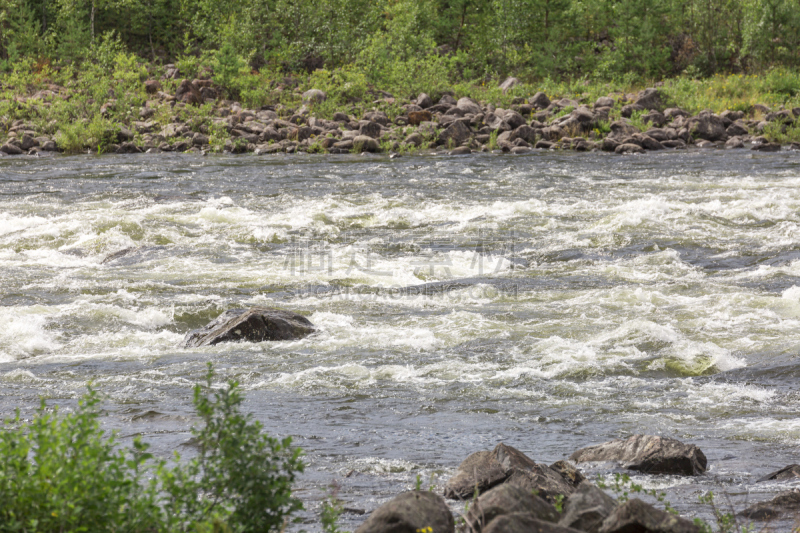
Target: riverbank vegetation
[
  {"x": 61, "y": 472},
  {"x": 74, "y": 71}
]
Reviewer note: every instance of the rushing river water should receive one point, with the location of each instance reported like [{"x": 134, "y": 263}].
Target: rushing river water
[{"x": 549, "y": 301}]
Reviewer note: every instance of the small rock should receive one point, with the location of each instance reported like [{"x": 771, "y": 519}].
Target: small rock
[
  {"x": 152, "y": 86},
  {"x": 648, "y": 453},
  {"x": 789, "y": 473},
  {"x": 456, "y": 133},
  {"x": 586, "y": 508},
  {"x": 188, "y": 93},
  {"x": 461, "y": 150},
  {"x": 626, "y": 148},
  {"x": 508, "y": 84},
  {"x": 256, "y": 324},
  {"x": 650, "y": 99},
  {"x": 784, "y": 504},
  {"x": 366, "y": 144},
  {"x": 410, "y": 512},
  {"x": 507, "y": 499},
  {"x": 539, "y": 100},
  {"x": 370, "y": 129},
  {"x": 198, "y": 139},
  {"x": 468, "y": 105},
  {"x": 604, "y": 101},
  {"x": 314, "y": 96},
  {"x": 737, "y": 128},
  {"x": 128, "y": 148},
  {"x": 767, "y": 147},
  {"x": 636, "y": 515},
  {"x": 478, "y": 472},
  {"x": 424, "y": 101},
  {"x": 708, "y": 126},
  {"x": 11, "y": 149},
  {"x": 520, "y": 150},
  {"x": 734, "y": 142}
]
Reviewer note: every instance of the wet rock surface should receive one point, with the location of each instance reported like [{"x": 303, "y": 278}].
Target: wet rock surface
[
  {"x": 410, "y": 512},
  {"x": 587, "y": 508},
  {"x": 638, "y": 516},
  {"x": 788, "y": 473},
  {"x": 256, "y": 324},
  {"x": 648, "y": 454},
  {"x": 785, "y": 504},
  {"x": 507, "y": 499}
]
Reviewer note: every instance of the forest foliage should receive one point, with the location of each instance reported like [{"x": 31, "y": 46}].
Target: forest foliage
[{"x": 389, "y": 40}]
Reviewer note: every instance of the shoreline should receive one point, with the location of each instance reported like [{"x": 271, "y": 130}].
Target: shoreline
[{"x": 193, "y": 119}]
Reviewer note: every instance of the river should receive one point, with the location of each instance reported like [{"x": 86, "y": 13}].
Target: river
[{"x": 549, "y": 301}]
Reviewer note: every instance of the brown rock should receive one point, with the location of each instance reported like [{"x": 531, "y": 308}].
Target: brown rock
[
  {"x": 188, "y": 93},
  {"x": 524, "y": 523},
  {"x": 784, "y": 504},
  {"x": 788, "y": 473},
  {"x": 415, "y": 118},
  {"x": 256, "y": 324},
  {"x": 152, "y": 86},
  {"x": 586, "y": 508}
]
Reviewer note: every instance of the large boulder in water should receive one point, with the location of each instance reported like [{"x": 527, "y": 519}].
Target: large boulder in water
[
  {"x": 256, "y": 324},
  {"x": 649, "y": 454},
  {"x": 410, "y": 512},
  {"x": 505, "y": 464}
]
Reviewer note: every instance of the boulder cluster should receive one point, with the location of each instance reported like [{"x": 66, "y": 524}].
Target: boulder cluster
[
  {"x": 623, "y": 124},
  {"x": 509, "y": 492}
]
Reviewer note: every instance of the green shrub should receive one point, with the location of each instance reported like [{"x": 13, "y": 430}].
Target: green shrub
[{"x": 62, "y": 473}]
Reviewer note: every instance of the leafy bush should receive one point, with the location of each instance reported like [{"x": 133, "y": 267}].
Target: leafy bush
[{"x": 62, "y": 473}]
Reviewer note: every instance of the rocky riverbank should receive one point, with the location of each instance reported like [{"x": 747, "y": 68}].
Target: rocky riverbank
[
  {"x": 508, "y": 492},
  {"x": 618, "y": 123}
]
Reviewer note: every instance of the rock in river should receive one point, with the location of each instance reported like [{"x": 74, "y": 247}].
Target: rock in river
[
  {"x": 788, "y": 473},
  {"x": 648, "y": 454},
  {"x": 410, "y": 512},
  {"x": 256, "y": 324},
  {"x": 784, "y": 504}
]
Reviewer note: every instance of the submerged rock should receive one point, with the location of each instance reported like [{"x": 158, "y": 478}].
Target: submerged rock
[
  {"x": 410, "y": 512},
  {"x": 638, "y": 516},
  {"x": 256, "y": 324},
  {"x": 648, "y": 454},
  {"x": 784, "y": 504}
]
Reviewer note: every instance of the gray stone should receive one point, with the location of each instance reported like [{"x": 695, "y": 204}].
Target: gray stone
[
  {"x": 734, "y": 142},
  {"x": 461, "y": 150},
  {"x": 567, "y": 470},
  {"x": 424, "y": 101},
  {"x": 767, "y": 147},
  {"x": 647, "y": 453},
  {"x": 708, "y": 126},
  {"x": 256, "y": 324},
  {"x": 626, "y": 148},
  {"x": 788, "y": 473},
  {"x": 604, "y": 101},
  {"x": 628, "y": 110},
  {"x": 638, "y": 516},
  {"x": 370, "y": 129},
  {"x": 410, "y": 512},
  {"x": 539, "y": 100},
  {"x": 784, "y": 504},
  {"x": 508, "y": 84},
  {"x": 455, "y": 134},
  {"x": 468, "y": 105},
  {"x": 586, "y": 508},
  {"x": 11, "y": 149},
  {"x": 198, "y": 139},
  {"x": 737, "y": 128},
  {"x": 507, "y": 499},
  {"x": 415, "y": 138},
  {"x": 650, "y": 99},
  {"x": 128, "y": 148},
  {"x": 314, "y": 96},
  {"x": 524, "y": 523},
  {"x": 480, "y": 471}
]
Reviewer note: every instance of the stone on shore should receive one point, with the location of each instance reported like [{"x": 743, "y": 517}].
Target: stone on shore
[
  {"x": 649, "y": 454},
  {"x": 366, "y": 144},
  {"x": 638, "y": 516},
  {"x": 788, "y": 473},
  {"x": 784, "y": 504},
  {"x": 314, "y": 96},
  {"x": 508, "y": 84},
  {"x": 587, "y": 508},
  {"x": 455, "y": 134},
  {"x": 767, "y": 147},
  {"x": 410, "y": 512},
  {"x": 256, "y": 324},
  {"x": 539, "y": 100},
  {"x": 188, "y": 93},
  {"x": 506, "y": 499}
]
